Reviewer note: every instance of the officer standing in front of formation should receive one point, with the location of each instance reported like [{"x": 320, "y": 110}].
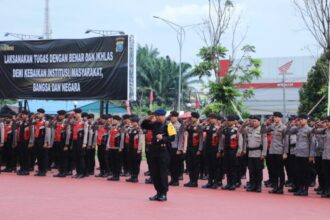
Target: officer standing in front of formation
[
  {"x": 212, "y": 135},
  {"x": 61, "y": 143},
  {"x": 277, "y": 151},
  {"x": 194, "y": 144},
  {"x": 163, "y": 134},
  {"x": 231, "y": 146},
  {"x": 2, "y": 134},
  {"x": 255, "y": 146},
  {"x": 79, "y": 143},
  {"x": 41, "y": 138},
  {"x": 136, "y": 146},
  {"x": 176, "y": 150}
]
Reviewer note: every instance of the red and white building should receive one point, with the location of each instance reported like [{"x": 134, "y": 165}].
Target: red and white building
[{"x": 268, "y": 88}]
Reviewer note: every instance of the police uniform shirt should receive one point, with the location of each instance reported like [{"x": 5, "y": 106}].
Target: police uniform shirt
[
  {"x": 255, "y": 143},
  {"x": 305, "y": 146},
  {"x": 279, "y": 143}
]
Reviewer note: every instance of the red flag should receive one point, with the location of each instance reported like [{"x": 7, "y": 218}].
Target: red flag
[
  {"x": 151, "y": 97},
  {"x": 128, "y": 107},
  {"x": 197, "y": 102}
]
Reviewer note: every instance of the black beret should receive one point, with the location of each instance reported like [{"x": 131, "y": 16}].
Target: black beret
[
  {"x": 40, "y": 110},
  {"x": 213, "y": 116},
  {"x": 135, "y": 119},
  {"x": 84, "y": 114},
  {"x": 126, "y": 116},
  {"x": 174, "y": 113},
  {"x": 160, "y": 112},
  {"x": 323, "y": 118},
  {"x": 116, "y": 117},
  {"x": 25, "y": 112},
  {"x": 220, "y": 118},
  {"x": 90, "y": 116},
  {"x": 77, "y": 110},
  {"x": 7, "y": 116},
  {"x": 292, "y": 117},
  {"x": 151, "y": 113},
  {"x": 327, "y": 118},
  {"x": 61, "y": 112},
  {"x": 109, "y": 116},
  {"x": 255, "y": 117},
  {"x": 278, "y": 114},
  {"x": 303, "y": 116},
  {"x": 105, "y": 117},
  {"x": 231, "y": 118},
  {"x": 195, "y": 115}
]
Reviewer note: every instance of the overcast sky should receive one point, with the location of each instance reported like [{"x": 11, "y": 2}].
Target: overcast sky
[{"x": 273, "y": 26}]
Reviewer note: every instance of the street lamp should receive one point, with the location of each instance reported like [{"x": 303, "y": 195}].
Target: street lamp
[
  {"x": 24, "y": 36},
  {"x": 104, "y": 32},
  {"x": 181, "y": 34}
]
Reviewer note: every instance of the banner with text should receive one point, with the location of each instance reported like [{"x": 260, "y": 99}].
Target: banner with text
[{"x": 93, "y": 68}]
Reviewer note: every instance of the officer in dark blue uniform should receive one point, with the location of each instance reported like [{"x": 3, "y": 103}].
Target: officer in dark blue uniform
[{"x": 163, "y": 134}]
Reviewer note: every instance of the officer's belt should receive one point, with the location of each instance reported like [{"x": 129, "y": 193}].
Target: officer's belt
[{"x": 256, "y": 148}]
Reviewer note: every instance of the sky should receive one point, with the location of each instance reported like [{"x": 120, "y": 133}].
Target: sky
[{"x": 272, "y": 26}]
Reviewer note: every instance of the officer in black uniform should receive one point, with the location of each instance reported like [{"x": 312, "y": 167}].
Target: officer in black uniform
[{"x": 163, "y": 134}]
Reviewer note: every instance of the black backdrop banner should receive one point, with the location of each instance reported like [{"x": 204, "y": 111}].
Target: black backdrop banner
[{"x": 93, "y": 68}]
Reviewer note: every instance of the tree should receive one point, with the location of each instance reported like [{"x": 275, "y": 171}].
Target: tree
[
  {"x": 309, "y": 95},
  {"x": 161, "y": 75},
  {"x": 316, "y": 16},
  {"x": 224, "y": 96}
]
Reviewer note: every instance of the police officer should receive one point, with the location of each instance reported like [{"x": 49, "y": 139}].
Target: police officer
[
  {"x": 212, "y": 135},
  {"x": 124, "y": 154},
  {"x": 10, "y": 148},
  {"x": 61, "y": 143},
  {"x": 41, "y": 137},
  {"x": 115, "y": 142},
  {"x": 304, "y": 152},
  {"x": 79, "y": 143},
  {"x": 255, "y": 146},
  {"x": 194, "y": 140},
  {"x": 100, "y": 140},
  {"x": 289, "y": 163},
  {"x": 163, "y": 134},
  {"x": 2, "y": 134},
  {"x": 326, "y": 160},
  {"x": 136, "y": 146},
  {"x": 90, "y": 150},
  {"x": 176, "y": 150},
  {"x": 277, "y": 151},
  {"x": 320, "y": 138},
  {"x": 230, "y": 148}
]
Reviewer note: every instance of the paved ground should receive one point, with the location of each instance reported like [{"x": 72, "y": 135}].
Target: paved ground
[{"x": 48, "y": 198}]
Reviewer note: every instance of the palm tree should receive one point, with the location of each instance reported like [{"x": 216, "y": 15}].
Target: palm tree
[{"x": 161, "y": 75}]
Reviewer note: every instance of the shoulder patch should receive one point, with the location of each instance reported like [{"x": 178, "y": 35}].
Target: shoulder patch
[{"x": 171, "y": 129}]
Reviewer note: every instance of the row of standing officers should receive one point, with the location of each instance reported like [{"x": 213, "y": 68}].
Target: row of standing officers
[{"x": 225, "y": 147}]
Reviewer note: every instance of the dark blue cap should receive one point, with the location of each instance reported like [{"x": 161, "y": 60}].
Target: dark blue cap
[{"x": 160, "y": 112}]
